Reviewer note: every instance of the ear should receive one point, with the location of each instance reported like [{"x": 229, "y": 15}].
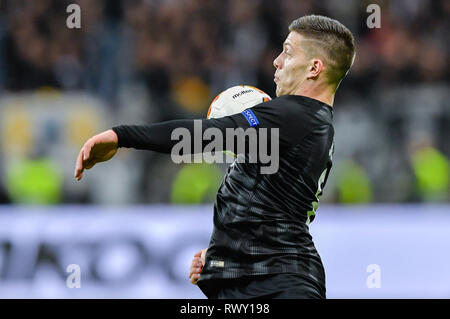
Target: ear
[{"x": 315, "y": 68}]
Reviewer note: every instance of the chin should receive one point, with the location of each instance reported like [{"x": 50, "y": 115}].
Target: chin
[{"x": 277, "y": 91}]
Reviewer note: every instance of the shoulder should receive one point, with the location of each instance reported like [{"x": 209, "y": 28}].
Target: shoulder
[
  {"x": 308, "y": 109},
  {"x": 292, "y": 105},
  {"x": 285, "y": 110},
  {"x": 280, "y": 107}
]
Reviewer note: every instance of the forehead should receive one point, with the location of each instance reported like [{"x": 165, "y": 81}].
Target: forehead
[{"x": 293, "y": 39}]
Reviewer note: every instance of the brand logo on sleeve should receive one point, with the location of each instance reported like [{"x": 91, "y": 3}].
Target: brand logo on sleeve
[
  {"x": 251, "y": 117},
  {"x": 217, "y": 263}
]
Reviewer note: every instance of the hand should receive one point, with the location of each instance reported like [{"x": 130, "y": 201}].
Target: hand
[
  {"x": 98, "y": 148},
  {"x": 197, "y": 265}
]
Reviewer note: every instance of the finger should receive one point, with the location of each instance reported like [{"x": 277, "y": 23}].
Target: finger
[
  {"x": 194, "y": 279},
  {"x": 198, "y": 254},
  {"x": 87, "y": 151},
  {"x": 203, "y": 256},
  {"x": 196, "y": 262},
  {"x": 79, "y": 165},
  {"x": 195, "y": 270}
]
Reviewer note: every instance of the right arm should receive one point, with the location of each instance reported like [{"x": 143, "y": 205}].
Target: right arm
[{"x": 158, "y": 136}]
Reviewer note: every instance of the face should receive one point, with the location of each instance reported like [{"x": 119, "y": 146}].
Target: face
[{"x": 291, "y": 65}]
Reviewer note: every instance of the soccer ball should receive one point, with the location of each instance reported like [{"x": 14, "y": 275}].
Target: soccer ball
[{"x": 235, "y": 100}]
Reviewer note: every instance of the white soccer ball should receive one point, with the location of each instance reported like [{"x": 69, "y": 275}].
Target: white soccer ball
[{"x": 235, "y": 100}]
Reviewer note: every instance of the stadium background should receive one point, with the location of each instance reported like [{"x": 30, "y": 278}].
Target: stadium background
[{"x": 133, "y": 223}]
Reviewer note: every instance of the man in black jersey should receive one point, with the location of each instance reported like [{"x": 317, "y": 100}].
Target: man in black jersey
[{"x": 261, "y": 245}]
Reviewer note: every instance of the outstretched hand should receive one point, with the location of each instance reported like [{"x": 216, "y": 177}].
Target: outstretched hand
[{"x": 98, "y": 148}]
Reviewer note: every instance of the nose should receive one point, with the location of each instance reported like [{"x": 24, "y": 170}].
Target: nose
[{"x": 277, "y": 62}]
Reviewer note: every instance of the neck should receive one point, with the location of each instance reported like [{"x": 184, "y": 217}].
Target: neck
[{"x": 321, "y": 94}]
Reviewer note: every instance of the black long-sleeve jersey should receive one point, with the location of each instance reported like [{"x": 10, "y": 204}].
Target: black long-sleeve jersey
[{"x": 261, "y": 221}]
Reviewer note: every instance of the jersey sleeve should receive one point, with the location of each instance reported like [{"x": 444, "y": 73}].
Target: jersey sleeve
[
  {"x": 289, "y": 118},
  {"x": 275, "y": 118}
]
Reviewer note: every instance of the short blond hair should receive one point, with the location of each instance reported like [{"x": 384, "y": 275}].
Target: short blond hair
[{"x": 332, "y": 39}]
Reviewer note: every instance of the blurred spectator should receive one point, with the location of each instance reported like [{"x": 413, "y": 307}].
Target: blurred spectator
[
  {"x": 432, "y": 171},
  {"x": 222, "y": 42},
  {"x": 34, "y": 181},
  {"x": 353, "y": 184},
  {"x": 196, "y": 184}
]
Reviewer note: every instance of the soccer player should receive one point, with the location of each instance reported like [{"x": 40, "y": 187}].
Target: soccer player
[{"x": 261, "y": 245}]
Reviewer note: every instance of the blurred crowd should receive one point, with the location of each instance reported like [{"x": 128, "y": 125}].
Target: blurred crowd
[
  {"x": 178, "y": 54},
  {"x": 160, "y": 42}
]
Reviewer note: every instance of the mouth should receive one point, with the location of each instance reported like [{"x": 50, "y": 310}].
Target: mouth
[{"x": 276, "y": 79}]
